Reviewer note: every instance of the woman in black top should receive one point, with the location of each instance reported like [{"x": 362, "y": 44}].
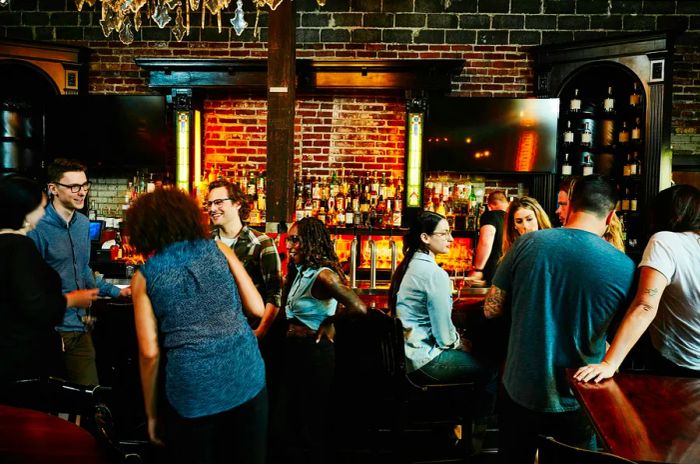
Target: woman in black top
[{"x": 31, "y": 299}]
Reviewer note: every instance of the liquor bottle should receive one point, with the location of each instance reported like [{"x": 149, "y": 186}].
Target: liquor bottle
[
  {"x": 635, "y": 96},
  {"x": 92, "y": 212},
  {"x": 243, "y": 182},
  {"x": 624, "y": 135},
  {"x": 626, "y": 200},
  {"x": 633, "y": 200},
  {"x": 349, "y": 215},
  {"x": 587, "y": 135},
  {"x": 627, "y": 168},
  {"x": 252, "y": 185},
  {"x": 568, "y": 134},
  {"x": 636, "y": 169},
  {"x": 609, "y": 102},
  {"x": 575, "y": 103},
  {"x": 636, "y": 131},
  {"x": 566, "y": 167},
  {"x": 587, "y": 165}
]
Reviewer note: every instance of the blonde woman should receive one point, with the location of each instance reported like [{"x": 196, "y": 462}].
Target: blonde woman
[{"x": 524, "y": 215}]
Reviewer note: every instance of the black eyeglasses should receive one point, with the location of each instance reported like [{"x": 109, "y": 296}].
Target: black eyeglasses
[
  {"x": 292, "y": 239},
  {"x": 217, "y": 203},
  {"x": 75, "y": 188}
]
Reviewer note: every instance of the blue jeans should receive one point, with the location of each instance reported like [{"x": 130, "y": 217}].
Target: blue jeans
[{"x": 453, "y": 366}]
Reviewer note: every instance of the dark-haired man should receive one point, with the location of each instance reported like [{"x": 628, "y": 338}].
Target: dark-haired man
[
  {"x": 564, "y": 286},
  {"x": 563, "y": 200},
  {"x": 62, "y": 237}
]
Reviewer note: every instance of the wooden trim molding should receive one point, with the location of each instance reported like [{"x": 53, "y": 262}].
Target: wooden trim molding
[{"x": 312, "y": 75}]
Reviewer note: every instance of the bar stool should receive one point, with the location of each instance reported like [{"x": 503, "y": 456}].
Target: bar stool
[{"x": 380, "y": 397}]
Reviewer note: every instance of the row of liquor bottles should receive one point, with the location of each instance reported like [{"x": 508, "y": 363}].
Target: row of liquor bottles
[
  {"x": 584, "y": 164},
  {"x": 611, "y": 103},
  {"x": 603, "y": 133},
  {"x": 375, "y": 201},
  {"x": 460, "y": 200}
]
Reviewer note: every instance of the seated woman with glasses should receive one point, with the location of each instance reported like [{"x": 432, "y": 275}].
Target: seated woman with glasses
[
  {"x": 315, "y": 285},
  {"x": 421, "y": 296},
  {"x": 189, "y": 299}
]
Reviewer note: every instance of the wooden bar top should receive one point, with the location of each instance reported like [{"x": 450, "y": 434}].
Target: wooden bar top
[{"x": 645, "y": 418}]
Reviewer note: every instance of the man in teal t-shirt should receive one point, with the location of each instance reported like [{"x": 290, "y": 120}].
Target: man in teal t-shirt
[{"x": 564, "y": 286}]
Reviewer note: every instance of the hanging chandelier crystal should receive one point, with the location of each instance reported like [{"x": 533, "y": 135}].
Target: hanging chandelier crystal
[{"x": 125, "y": 16}]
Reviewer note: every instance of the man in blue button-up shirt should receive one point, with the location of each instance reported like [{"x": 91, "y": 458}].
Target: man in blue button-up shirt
[{"x": 62, "y": 237}]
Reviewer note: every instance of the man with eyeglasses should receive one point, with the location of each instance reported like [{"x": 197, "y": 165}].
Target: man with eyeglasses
[
  {"x": 62, "y": 237},
  {"x": 228, "y": 208}
]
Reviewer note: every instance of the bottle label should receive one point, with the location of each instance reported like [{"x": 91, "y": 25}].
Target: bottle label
[
  {"x": 624, "y": 137},
  {"x": 568, "y": 137},
  {"x": 609, "y": 104},
  {"x": 626, "y": 170},
  {"x": 587, "y": 170},
  {"x": 566, "y": 170},
  {"x": 636, "y": 133},
  {"x": 575, "y": 104},
  {"x": 634, "y": 99},
  {"x": 586, "y": 138},
  {"x": 632, "y": 170},
  {"x": 633, "y": 204}
]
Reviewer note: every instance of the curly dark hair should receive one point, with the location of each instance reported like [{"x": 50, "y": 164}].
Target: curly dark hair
[
  {"x": 317, "y": 248},
  {"x": 425, "y": 223},
  {"x": 161, "y": 218},
  {"x": 676, "y": 209},
  {"x": 235, "y": 194}
]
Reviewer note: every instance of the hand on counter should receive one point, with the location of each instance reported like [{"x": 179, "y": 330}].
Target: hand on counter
[{"x": 125, "y": 292}]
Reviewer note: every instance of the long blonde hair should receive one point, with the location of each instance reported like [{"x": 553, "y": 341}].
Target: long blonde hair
[
  {"x": 511, "y": 233},
  {"x": 613, "y": 233}
]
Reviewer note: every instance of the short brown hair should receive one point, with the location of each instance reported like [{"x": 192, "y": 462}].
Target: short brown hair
[
  {"x": 163, "y": 217},
  {"x": 60, "y": 166},
  {"x": 235, "y": 194},
  {"x": 496, "y": 197}
]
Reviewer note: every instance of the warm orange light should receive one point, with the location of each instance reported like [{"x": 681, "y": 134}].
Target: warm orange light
[
  {"x": 468, "y": 140},
  {"x": 527, "y": 151}
]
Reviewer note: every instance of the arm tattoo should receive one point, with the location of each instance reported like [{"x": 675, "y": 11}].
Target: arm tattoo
[
  {"x": 651, "y": 291},
  {"x": 647, "y": 307},
  {"x": 493, "y": 306}
]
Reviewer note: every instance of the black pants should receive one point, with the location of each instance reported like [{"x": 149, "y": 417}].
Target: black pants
[
  {"x": 238, "y": 435},
  {"x": 300, "y": 429},
  {"x": 519, "y": 428}
]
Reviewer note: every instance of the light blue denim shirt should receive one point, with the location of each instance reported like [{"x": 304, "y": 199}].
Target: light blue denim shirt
[
  {"x": 424, "y": 305},
  {"x": 66, "y": 248},
  {"x": 302, "y": 305}
]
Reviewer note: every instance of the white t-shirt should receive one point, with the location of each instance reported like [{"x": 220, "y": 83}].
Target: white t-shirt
[{"x": 675, "y": 331}]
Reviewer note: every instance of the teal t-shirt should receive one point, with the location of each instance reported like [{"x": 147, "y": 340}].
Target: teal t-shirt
[{"x": 565, "y": 286}]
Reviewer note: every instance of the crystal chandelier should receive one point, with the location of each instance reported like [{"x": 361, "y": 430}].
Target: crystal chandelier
[{"x": 125, "y": 16}]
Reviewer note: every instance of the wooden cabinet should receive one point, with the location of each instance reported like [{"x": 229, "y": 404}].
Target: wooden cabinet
[{"x": 615, "y": 117}]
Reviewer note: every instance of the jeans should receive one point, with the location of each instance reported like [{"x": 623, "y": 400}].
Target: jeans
[
  {"x": 519, "y": 428},
  {"x": 453, "y": 366},
  {"x": 79, "y": 358},
  {"x": 238, "y": 435},
  {"x": 460, "y": 366}
]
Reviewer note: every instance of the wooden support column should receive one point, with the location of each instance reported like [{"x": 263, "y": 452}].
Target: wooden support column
[{"x": 281, "y": 96}]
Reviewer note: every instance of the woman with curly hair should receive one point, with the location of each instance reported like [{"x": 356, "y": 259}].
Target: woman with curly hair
[
  {"x": 314, "y": 287},
  {"x": 524, "y": 215},
  {"x": 189, "y": 299}
]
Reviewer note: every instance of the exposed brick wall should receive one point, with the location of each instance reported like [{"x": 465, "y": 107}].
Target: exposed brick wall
[
  {"x": 349, "y": 135},
  {"x": 492, "y": 36}
]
